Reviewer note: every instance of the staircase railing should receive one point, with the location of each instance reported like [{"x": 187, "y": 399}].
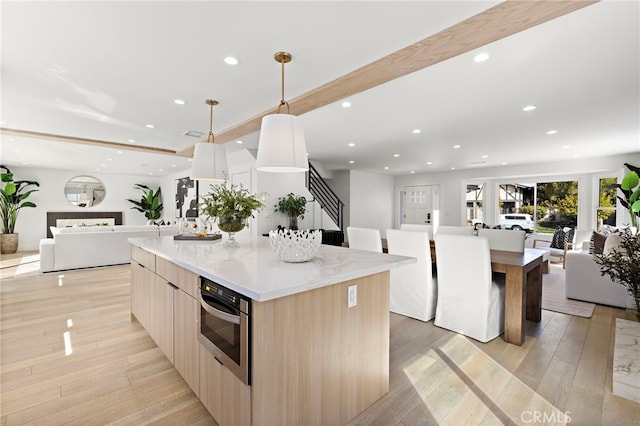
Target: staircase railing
[{"x": 324, "y": 195}]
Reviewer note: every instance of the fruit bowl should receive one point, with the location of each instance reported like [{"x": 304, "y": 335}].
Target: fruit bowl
[{"x": 295, "y": 246}]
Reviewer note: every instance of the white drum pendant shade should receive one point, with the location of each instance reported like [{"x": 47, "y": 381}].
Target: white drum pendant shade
[
  {"x": 209, "y": 162},
  {"x": 281, "y": 147}
]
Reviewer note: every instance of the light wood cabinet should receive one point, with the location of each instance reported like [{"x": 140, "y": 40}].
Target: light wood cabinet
[
  {"x": 186, "y": 348},
  {"x": 142, "y": 280},
  {"x": 161, "y": 299},
  {"x": 226, "y": 397},
  {"x": 164, "y": 300}
]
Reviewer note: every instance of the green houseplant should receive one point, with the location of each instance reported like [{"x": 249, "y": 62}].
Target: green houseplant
[
  {"x": 150, "y": 203},
  {"x": 13, "y": 197},
  {"x": 630, "y": 199},
  {"x": 293, "y": 206},
  {"x": 622, "y": 265},
  {"x": 231, "y": 207}
]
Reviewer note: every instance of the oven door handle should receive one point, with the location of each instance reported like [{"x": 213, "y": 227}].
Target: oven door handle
[{"x": 234, "y": 319}]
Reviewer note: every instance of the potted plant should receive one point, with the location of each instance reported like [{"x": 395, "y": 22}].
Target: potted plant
[
  {"x": 293, "y": 206},
  {"x": 630, "y": 188},
  {"x": 150, "y": 203},
  {"x": 622, "y": 265},
  {"x": 12, "y": 198},
  {"x": 231, "y": 207}
]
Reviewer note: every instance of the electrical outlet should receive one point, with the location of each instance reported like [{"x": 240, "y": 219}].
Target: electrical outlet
[{"x": 352, "y": 296}]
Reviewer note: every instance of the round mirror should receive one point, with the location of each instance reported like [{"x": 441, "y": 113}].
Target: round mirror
[{"x": 84, "y": 191}]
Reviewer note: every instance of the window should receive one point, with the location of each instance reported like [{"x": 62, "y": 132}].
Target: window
[
  {"x": 607, "y": 200},
  {"x": 475, "y": 213},
  {"x": 550, "y": 204}
]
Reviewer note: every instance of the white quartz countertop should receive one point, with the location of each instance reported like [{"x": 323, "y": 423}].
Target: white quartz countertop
[{"x": 254, "y": 270}]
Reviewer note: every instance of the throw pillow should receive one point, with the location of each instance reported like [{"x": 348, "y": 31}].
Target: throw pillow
[
  {"x": 561, "y": 236},
  {"x": 612, "y": 243},
  {"x": 596, "y": 245},
  {"x": 557, "y": 241}
]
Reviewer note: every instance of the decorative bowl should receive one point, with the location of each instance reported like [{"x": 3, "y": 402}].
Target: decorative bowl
[{"x": 295, "y": 246}]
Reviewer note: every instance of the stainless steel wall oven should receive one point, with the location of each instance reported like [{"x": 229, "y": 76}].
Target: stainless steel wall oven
[{"x": 225, "y": 330}]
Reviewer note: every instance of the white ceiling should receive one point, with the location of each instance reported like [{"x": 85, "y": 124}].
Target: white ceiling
[{"x": 103, "y": 70}]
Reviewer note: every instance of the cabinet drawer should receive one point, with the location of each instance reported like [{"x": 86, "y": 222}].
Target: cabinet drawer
[
  {"x": 185, "y": 280},
  {"x": 144, "y": 258}
]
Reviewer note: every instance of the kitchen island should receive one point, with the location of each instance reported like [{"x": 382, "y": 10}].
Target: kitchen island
[{"x": 314, "y": 359}]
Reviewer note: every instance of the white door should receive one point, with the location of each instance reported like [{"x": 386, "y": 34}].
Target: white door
[{"x": 418, "y": 204}]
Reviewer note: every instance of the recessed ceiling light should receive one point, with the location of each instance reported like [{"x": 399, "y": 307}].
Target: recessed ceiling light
[
  {"x": 150, "y": 126},
  {"x": 481, "y": 57},
  {"x": 552, "y": 132},
  {"x": 529, "y": 108},
  {"x": 485, "y": 156},
  {"x": 97, "y": 170},
  {"x": 173, "y": 165},
  {"x": 412, "y": 171},
  {"x": 351, "y": 161},
  {"x": 189, "y": 159},
  {"x": 178, "y": 101},
  {"x": 456, "y": 146},
  {"x": 566, "y": 146},
  {"x": 230, "y": 60},
  {"x": 504, "y": 163},
  {"x": 131, "y": 141},
  {"x": 161, "y": 170},
  {"x": 453, "y": 168},
  {"x": 239, "y": 142},
  {"x": 576, "y": 156},
  {"x": 150, "y": 173},
  {"x": 429, "y": 163},
  {"x": 119, "y": 152},
  {"x": 351, "y": 144},
  {"x": 103, "y": 165},
  {"x": 416, "y": 131},
  {"x": 346, "y": 104},
  {"x": 386, "y": 167},
  {"x": 396, "y": 155}
]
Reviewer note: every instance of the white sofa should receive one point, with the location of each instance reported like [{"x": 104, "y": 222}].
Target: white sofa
[
  {"x": 89, "y": 246},
  {"x": 583, "y": 281}
]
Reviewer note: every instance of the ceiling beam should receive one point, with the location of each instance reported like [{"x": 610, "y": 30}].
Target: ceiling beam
[
  {"x": 503, "y": 20},
  {"x": 85, "y": 141}
]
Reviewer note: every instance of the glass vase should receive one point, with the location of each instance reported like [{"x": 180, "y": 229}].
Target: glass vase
[{"x": 231, "y": 225}]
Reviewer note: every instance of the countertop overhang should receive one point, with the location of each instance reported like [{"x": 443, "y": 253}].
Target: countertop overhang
[{"x": 254, "y": 270}]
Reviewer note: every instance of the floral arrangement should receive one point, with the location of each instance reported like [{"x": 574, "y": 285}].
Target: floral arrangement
[{"x": 233, "y": 203}]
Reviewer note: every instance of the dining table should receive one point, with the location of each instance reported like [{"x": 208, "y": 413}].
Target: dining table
[{"x": 523, "y": 287}]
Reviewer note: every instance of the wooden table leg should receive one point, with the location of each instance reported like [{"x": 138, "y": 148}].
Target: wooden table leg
[
  {"x": 514, "y": 310},
  {"x": 534, "y": 294}
]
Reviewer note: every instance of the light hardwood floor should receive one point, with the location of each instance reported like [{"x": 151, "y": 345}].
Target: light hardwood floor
[{"x": 112, "y": 372}]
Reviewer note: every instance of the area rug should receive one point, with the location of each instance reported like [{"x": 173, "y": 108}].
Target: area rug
[{"x": 554, "y": 299}]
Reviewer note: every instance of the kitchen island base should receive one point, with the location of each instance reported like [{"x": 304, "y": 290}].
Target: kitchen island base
[{"x": 316, "y": 361}]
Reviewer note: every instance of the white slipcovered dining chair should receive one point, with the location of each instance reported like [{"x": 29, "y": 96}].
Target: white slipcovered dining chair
[
  {"x": 469, "y": 301},
  {"x": 364, "y": 239},
  {"x": 417, "y": 227},
  {"x": 504, "y": 239},
  {"x": 413, "y": 289},
  {"x": 456, "y": 230}
]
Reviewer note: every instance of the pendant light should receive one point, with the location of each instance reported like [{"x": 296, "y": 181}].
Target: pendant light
[
  {"x": 281, "y": 146},
  {"x": 209, "y": 159}
]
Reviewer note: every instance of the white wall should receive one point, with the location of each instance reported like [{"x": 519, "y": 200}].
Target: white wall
[
  {"x": 371, "y": 203},
  {"x": 32, "y": 222}
]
